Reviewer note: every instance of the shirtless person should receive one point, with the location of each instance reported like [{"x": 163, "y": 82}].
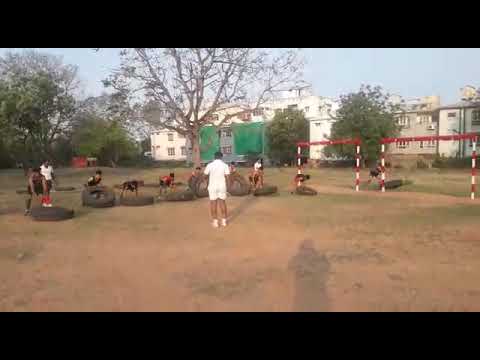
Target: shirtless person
[
  {"x": 299, "y": 180},
  {"x": 375, "y": 172},
  {"x": 37, "y": 185},
  {"x": 131, "y": 185},
  {"x": 96, "y": 179}
]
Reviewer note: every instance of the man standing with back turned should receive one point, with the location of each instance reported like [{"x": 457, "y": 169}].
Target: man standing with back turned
[{"x": 218, "y": 173}]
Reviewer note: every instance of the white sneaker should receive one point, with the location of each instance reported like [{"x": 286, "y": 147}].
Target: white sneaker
[
  {"x": 215, "y": 223},
  {"x": 45, "y": 205},
  {"x": 224, "y": 222}
]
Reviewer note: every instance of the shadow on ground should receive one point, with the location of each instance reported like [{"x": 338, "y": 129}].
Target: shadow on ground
[{"x": 311, "y": 272}]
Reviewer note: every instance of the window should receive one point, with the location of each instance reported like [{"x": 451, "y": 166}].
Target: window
[
  {"x": 183, "y": 150},
  {"x": 318, "y": 124},
  {"x": 258, "y": 112},
  {"x": 307, "y": 109},
  {"x": 476, "y": 117},
  {"x": 402, "y": 144},
  {"x": 403, "y": 121},
  {"x": 170, "y": 137},
  {"x": 227, "y": 150},
  {"x": 245, "y": 116},
  {"x": 424, "y": 119},
  {"x": 227, "y": 133},
  {"x": 292, "y": 107},
  {"x": 171, "y": 151},
  {"x": 452, "y": 114},
  {"x": 428, "y": 144}
]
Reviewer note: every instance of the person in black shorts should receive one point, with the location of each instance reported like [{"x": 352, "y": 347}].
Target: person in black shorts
[
  {"x": 299, "y": 180},
  {"x": 375, "y": 172},
  {"x": 131, "y": 186},
  {"x": 37, "y": 185},
  {"x": 96, "y": 179}
]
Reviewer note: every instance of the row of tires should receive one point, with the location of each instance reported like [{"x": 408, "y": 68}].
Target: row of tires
[{"x": 238, "y": 186}]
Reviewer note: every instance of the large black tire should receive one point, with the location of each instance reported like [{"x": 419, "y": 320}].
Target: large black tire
[
  {"x": 393, "y": 184},
  {"x": 239, "y": 186},
  {"x": 265, "y": 190},
  {"x": 141, "y": 200},
  {"x": 186, "y": 195},
  {"x": 201, "y": 188},
  {"x": 305, "y": 190},
  {"x": 106, "y": 197},
  {"x": 51, "y": 213},
  {"x": 64, "y": 188},
  {"x": 192, "y": 182}
]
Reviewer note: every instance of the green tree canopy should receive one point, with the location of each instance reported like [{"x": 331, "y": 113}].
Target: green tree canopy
[
  {"x": 368, "y": 115},
  {"x": 286, "y": 129}
]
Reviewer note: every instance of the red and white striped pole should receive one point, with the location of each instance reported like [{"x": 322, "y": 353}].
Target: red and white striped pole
[
  {"x": 357, "y": 168},
  {"x": 383, "y": 168},
  {"x": 299, "y": 163},
  {"x": 474, "y": 167}
]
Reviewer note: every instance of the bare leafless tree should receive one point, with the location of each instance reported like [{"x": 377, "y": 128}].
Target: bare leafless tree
[{"x": 191, "y": 84}]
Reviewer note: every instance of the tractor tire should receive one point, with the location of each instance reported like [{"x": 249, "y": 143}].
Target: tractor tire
[
  {"x": 186, "y": 195},
  {"x": 305, "y": 190},
  {"x": 192, "y": 182},
  {"x": 51, "y": 213},
  {"x": 239, "y": 186},
  {"x": 266, "y": 190},
  {"x": 201, "y": 188},
  {"x": 140, "y": 200},
  {"x": 393, "y": 184},
  {"x": 106, "y": 197}
]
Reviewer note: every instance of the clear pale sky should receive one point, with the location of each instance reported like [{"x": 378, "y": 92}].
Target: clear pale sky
[{"x": 407, "y": 72}]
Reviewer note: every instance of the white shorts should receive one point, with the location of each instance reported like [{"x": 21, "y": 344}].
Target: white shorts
[{"x": 217, "y": 193}]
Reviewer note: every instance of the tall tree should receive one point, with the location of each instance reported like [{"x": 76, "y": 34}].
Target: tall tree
[
  {"x": 367, "y": 115},
  {"x": 37, "y": 100},
  {"x": 189, "y": 85},
  {"x": 284, "y": 132}
]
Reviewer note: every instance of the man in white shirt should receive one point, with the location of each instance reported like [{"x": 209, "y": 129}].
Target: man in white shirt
[
  {"x": 218, "y": 173},
  {"x": 47, "y": 171}
]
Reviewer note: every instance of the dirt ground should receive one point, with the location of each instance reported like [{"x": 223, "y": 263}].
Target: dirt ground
[{"x": 416, "y": 249}]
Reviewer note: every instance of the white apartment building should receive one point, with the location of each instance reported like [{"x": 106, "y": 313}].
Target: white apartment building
[
  {"x": 459, "y": 118},
  {"x": 417, "y": 117},
  {"x": 168, "y": 145},
  {"x": 319, "y": 111}
]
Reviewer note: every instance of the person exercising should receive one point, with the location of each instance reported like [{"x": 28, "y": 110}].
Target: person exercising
[
  {"x": 167, "y": 182},
  {"x": 299, "y": 180},
  {"x": 375, "y": 172},
  {"x": 131, "y": 185},
  {"x": 96, "y": 179},
  {"x": 194, "y": 176},
  {"x": 256, "y": 176},
  {"x": 37, "y": 184}
]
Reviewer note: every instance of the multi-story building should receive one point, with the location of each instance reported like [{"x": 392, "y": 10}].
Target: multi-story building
[
  {"x": 168, "y": 145},
  {"x": 459, "y": 118},
  {"x": 417, "y": 117},
  {"x": 318, "y": 110}
]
